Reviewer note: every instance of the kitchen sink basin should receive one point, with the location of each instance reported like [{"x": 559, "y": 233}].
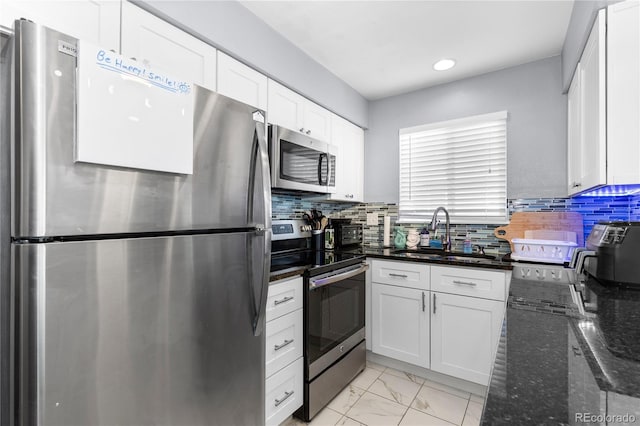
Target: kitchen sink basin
[{"x": 435, "y": 254}]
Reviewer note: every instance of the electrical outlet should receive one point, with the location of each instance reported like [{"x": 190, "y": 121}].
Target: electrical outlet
[{"x": 372, "y": 219}]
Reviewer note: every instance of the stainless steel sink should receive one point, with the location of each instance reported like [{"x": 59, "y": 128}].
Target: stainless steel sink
[{"x": 435, "y": 254}]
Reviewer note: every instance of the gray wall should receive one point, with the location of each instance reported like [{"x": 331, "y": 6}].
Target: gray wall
[
  {"x": 238, "y": 32},
  {"x": 536, "y": 127},
  {"x": 583, "y": 16}
]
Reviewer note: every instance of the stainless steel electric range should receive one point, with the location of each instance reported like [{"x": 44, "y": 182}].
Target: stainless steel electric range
[{"x": 334, "y": 305}]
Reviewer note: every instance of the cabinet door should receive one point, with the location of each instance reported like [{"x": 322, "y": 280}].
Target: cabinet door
[
  {"x": 400, "y": 318},
  {"x": 316, "y": 121},
  {"x": 349, "y": 139},
  {"x": 240, "y": 82},
  {"x": 96, "y": 21},
  {"x": 464, "y": 335},
  {"x": 158, "y": 44},
  {"x": 593, "y": 121},
  {"x": 623, "y": 93},
  {"x": 285, "y": 107},
  {"x": 574, "y": 133}
]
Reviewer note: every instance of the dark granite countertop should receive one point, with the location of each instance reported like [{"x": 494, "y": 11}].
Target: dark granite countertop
[
  {"x": 390, "y": 254},
  {"x": 552, "y": 363},
  {"x": 287, "y": 273}
]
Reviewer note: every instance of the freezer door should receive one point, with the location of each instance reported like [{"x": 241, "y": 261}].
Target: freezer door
[
  {"x": 146, "y": 331},
  {"x": 57, "y": 196}
]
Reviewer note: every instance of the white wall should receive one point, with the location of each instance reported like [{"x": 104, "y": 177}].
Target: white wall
[
  {"x": 536, "y": 127},
  {"x": 234, "y": 29}
]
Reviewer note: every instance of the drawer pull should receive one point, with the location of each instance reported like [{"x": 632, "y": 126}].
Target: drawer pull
[
  {"x": 464, "y": 283},
  {"x": 282, "y": 345},
  {"x": 284, "y": 398},
  {"x": 285, "y": 300},
  {"x": 398, "y": 275}
]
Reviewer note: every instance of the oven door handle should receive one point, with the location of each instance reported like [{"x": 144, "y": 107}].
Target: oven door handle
[{"x": 319, "y": 282}]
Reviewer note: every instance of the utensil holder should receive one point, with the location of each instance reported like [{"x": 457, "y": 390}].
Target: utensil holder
[{"x": 317, "y": 240}]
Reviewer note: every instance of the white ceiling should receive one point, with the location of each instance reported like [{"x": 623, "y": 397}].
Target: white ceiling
[{"x": 385, "y": 48}]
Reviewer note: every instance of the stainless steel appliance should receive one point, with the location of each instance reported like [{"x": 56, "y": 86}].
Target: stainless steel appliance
[
  {"x": 616, "y": 246},
  {"x": 300, "y": 162},
  {"x": 140, "y": 295},
  {"x": 346, "y": 233},
  {"x": 334, "y": 305}
]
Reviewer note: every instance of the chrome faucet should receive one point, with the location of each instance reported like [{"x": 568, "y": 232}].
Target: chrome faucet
[{"x": 434, "y": 223}]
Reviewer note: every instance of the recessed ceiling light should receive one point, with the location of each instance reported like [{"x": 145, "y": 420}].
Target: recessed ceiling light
[{"x": 444, "y": 64}]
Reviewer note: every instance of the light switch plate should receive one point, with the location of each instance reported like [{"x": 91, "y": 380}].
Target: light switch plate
[{"x": 372, "y": 218}]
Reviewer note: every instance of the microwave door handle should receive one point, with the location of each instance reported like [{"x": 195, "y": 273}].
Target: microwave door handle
[
  {"x": 329, "y": 170},
  {"x": 323, "y": 155}
]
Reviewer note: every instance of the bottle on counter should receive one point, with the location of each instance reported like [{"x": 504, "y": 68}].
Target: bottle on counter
[
  {"x": 466, "y": 245},
  {"x": 424, "y": 237},
  {"x": 328, "y": 236}
]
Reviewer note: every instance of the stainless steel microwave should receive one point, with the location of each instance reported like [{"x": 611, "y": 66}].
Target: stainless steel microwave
[{"x": 301, "y": 163}]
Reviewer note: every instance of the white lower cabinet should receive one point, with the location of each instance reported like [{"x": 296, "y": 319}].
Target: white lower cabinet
[
  {"x": 400, "y": 321},
  {"x": 283, "y": 393},
  {"x": 444, "y": 318},
  {"x": 464, "y": 335},
  {"x": 283, "y": 350}
]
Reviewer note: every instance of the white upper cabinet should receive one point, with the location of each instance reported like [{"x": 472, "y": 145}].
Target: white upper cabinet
[
  {"x": 97, "y": 22},
  {"x": 349, "y": 141},
  {"x": 623, "y": 93},
  {"x": 156, "y": 43},
  {"x": 604, "y": 103},
  {"x": 586, "y": 127},
  {"x": 238, "y": 81},
  {"x": 289, "y": 109}
]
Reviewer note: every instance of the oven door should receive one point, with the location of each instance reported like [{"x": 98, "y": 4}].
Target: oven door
[
  {"x": 334, "y": 316},
  {"x": 299, "y": 162}
]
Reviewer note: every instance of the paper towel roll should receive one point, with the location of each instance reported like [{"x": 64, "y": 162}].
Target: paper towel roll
[{"x": 387, "y": 231}]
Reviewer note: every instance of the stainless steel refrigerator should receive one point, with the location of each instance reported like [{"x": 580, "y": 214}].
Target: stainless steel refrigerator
[{"x": 139, "y": 295}]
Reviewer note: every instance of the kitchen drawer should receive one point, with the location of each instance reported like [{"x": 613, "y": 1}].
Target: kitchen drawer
[
  {"x": 283, "y": 393},
  {"x": 469, "y": 282},
  {"x": 284, "y": 296},
  {"x": 283, "y": 341},
  {"x": 403, "y": 274}
]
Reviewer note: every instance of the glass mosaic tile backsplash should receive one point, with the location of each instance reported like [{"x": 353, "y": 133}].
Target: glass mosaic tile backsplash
[{"x": 593, "y": 210}]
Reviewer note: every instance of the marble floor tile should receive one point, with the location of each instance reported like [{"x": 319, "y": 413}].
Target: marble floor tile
[
  {"x": 376, "y": 366},
  {"x": 346, "y": 421},
  {"x": 345, "y": 399},
  {"x": 477, "y": 398},
  {"x": 440, "y": 404},
  {"x": 292, "y": 421},
  {"x": 395, "y": 388},
  {"x": 473, "y": 414},
  {"x": 447, "y": 388},
  {"x": 374, "y": 410},
  {"x": 418, "y": 418},
  {"x": 326, "y": 417},
  {"x": 366, "y": 378},
  {"x": 408, "y": 376}
]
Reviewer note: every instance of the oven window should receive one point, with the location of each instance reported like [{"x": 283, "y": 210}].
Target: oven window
[{"x": 334, "y": 313}]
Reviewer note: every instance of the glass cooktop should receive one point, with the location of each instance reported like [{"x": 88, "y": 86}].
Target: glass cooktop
[{"x": 314, "y": 261}]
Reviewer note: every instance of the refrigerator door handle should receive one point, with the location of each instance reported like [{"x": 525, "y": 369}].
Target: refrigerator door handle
[{"x": 262, "y": 267}]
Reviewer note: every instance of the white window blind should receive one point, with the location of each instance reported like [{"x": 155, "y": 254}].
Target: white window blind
[{"x": 459, "y": 164}]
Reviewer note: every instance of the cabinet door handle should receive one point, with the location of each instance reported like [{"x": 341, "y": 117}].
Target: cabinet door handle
[
  {"x": 465, "y": 283},
  {"x": 434, "y": 303},
  {"x": 423, "y": 304},
  {"x": 284, "y": 398},
  {"x": 283, "y": 344},
  {"x": 398, "y": 275},
  {"x": 285, "y": 300}
]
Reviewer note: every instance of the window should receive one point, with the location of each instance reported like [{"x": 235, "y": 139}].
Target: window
[{"x": 459, "y": 164}]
